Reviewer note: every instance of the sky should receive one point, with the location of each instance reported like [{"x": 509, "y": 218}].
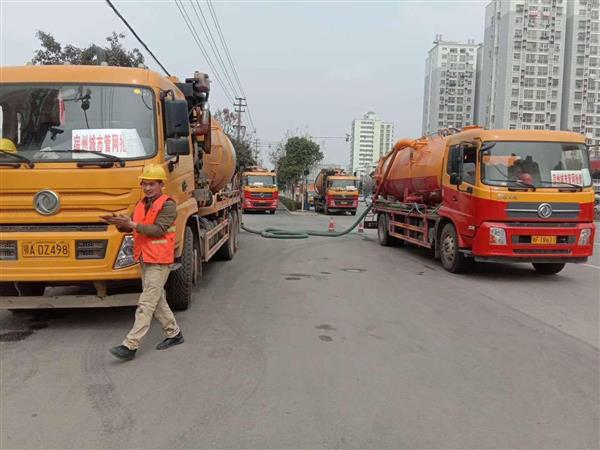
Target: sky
[{"x": 306, "y": 67}]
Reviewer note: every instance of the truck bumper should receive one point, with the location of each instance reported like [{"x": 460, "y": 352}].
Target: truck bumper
[
  {"x": 260, "y": 205},
  {"x": 520, "y": 247},
  {"x": 69, "y": 301}
]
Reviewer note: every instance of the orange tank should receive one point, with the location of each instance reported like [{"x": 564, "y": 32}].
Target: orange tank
[
  {"x": 219, "y": 164},
  {"x": 416, "y": 171}
]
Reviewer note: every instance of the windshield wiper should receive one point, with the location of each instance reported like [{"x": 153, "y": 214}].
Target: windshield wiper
[
  {"x": 113, "y": 158},
  {"x": 21, "y": 158},
  {"x": 576, "y": 186},
  {"x": 519, "y": 182}
]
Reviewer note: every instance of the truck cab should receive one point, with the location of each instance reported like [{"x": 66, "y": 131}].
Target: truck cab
[
  {"x": 341, "y": 195},
  {"x": 260, "y": 190}
]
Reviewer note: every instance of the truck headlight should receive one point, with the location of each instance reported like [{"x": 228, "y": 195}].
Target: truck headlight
[
  {"x": 497, "y": 236},
  {"x": 584, "y": 237},
  {"x": 125, "y": 257}
]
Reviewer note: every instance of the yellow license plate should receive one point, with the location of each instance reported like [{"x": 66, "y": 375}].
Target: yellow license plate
[
  {"x": 45, "y": 249},
  {"x": 543, "y": 240}
]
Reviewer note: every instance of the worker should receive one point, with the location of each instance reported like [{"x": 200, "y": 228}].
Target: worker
[
  {"x": 153, "y": 227},
  {"x": 6, "y": 145}
]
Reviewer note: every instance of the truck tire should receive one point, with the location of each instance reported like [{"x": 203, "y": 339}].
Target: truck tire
[
  {"x": 273, "y": 211},
  {"x": 227, "y": 250},
  {"x": 352, "y": 213},
  {"x": 325, "y": 210},
  {"x": 452, "y": 259},
  {"x": 383, "y": 234},
  {"x": 30, "y": 288},
  {"x": 548, "y": 268},
  {"x": 180, "y": 283}
]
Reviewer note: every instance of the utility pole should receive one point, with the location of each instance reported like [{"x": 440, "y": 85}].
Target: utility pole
[
  {"x": 256, "y": 147},
  {"x": 240, "y": 103}
]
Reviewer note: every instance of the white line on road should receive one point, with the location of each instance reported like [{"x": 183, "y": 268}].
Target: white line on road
[{"x": 591, "y": 265}]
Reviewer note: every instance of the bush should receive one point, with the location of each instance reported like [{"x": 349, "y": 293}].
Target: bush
[{"x": 290, "y": 204}]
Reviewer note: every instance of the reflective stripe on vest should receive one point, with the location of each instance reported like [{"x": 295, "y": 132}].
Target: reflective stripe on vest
[{"x": 153, "y": 250}]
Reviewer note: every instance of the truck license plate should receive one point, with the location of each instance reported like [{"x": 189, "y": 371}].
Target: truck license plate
[
  {"x": 543, "y": 240},
  {"x": 45, "y": 249}
]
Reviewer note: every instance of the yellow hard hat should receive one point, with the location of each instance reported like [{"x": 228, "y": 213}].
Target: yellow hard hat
[
  {"x": 7, "y": 145},
  {"x": 153, "y": 172}
]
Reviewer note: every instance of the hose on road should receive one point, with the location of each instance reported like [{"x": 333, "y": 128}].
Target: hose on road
[{"x": 277, "y": 233}]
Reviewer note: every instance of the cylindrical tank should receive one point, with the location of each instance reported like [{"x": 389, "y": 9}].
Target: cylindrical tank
[
  {"x": 416, "y": 171},
  {"x": 321, "y": 180},
  {"x": 219, "y": 164}
]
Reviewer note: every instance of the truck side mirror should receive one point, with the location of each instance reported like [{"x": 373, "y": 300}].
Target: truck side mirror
[
  {"x": 455, "y": 178},
  {"x": 176, "y": 119},
  {"x": 178, "y": 146}
]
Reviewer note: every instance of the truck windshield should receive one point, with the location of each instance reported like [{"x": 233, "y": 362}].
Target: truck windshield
[
  {"x": 260, "y": 180},
  {"x": 343, "y": 185},
  {"x": 538, "y": 164},
  {"x": 47, "y": 122}
]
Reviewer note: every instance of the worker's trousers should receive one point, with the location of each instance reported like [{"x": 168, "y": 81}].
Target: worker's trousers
[{"x": 152, "y": 302}]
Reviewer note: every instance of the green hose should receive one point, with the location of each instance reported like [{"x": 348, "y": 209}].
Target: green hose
[{"x": 277, "y": 233}]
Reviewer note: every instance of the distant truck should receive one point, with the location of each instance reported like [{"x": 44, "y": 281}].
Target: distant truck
[
  {"x": 489, "y": 195},
  {"x": 260, "y": 190},
  {"x": 74, "y": 142},
  {"x": 336, "y": 191},
  {"x": 310, "y": 195}
]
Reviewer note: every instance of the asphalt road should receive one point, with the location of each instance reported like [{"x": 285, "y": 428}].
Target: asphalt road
[{"x": 321, "y": 343}]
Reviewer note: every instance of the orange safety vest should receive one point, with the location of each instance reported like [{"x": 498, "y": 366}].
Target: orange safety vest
[{"x": 153, "y": 250}]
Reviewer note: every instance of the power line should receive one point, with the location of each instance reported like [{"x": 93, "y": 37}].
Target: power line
[
  {"x": 213, "y": 14},
  {"x": 190, "y": 25},
  {"x": 137, "y": 37},
  {"x": 212, "y": 43}
]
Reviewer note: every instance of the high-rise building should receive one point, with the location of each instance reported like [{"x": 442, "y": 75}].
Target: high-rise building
[
  {"x": 521, "y": 84},
  {"x": 450, "y": 77},
  {"x": 370, "y": 139},
  {"x": 581, "y": 98}
]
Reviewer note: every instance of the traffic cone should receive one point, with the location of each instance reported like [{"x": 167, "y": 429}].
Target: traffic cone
[
  {"x": 361, "y": 227},
  {"x": 331, "y": 224}
]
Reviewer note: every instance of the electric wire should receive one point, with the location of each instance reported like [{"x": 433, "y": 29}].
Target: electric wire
[
  {"x": 137, "y": 37},
  {"x": 192, "y": 29}
]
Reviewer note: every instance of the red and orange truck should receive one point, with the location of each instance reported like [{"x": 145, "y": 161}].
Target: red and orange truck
[
  {"x": 260, "y": 190},
  {"x": 336, "y": 191},
  {"x": 489, "y": 195},
  {"x": 74, "y": 141}
]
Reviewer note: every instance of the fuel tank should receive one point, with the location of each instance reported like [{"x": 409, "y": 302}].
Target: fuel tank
[
  {"x": 219, "y": 164},
  {"x": 415, "y": 172}
]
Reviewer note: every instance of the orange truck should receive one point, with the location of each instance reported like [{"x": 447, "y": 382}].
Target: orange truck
[
  {"x": 74, "y": 142},
  {"x": 489, "y": 195},
  {"x": 260, "y": 190},
  {"x": 336, "y": 191}
]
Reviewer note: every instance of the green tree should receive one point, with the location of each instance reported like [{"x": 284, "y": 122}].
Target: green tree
[
  {"x": 298, "y": 155},
  {"x": 52, "y": 52},
  {"x": 243, "y": 146}
]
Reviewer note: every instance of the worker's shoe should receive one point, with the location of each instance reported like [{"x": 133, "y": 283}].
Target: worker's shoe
[
  {"x": 169, "y": 342},
  {"x": 123, "y": 353}
]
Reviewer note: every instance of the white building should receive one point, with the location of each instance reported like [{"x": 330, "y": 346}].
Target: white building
[
  {"x": 370, "y": 139},
  {"x": 581, "y": 97},
  {"x": 450, "y": 77},
  {"x": 521, "y": 84}
]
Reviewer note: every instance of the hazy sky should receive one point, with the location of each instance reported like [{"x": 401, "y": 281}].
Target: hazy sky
[{"x": 305, "y": 66}]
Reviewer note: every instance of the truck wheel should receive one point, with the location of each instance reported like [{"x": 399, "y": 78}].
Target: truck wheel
[
  {"x": 452, "y": 259},
  {"x": 180, "y": 282},
  {"x": 236, "y": 243},
  {"x": 8, "y": 289},
  {"x": 352, "y": 213},
  {"x": 273, "y": 211},
  {"x": 30, "y": 288},
  {"x": 548, "y": 268},
  {"x": 382, "y": 231},
  {"x": 325, "y": 210},
  {"x": 227, "y": 250}
]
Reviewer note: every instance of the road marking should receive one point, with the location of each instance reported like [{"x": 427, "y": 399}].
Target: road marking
[{"x": 591, "y": 265}]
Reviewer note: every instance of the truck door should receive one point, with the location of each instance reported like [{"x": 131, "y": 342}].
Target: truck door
[{"x": 458, "y": 196}]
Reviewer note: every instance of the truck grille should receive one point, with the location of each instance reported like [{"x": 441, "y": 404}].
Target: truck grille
[
  {"x": 57, "y": 227},
  {"x": 530, "y": 210},
  {"x": 541, "y": 251},
  {"x": 560, "y": 240},
  {"x": 95, "y": 249},
  {"x": 261, "y": 195},
  {"x": 8, "y": 250}
]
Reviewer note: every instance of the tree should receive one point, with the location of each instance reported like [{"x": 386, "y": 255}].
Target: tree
[
  {"x": 52, "y": 52},
  {"x": 299, "y": 154},
  {"x": 243, "y": 146}
]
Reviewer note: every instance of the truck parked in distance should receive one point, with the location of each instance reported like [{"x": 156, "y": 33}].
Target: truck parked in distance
[
  {"x": 336, "y": 191},
  {"x": 260, "y": 190},
  {"x": 489, "y": 195}
]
